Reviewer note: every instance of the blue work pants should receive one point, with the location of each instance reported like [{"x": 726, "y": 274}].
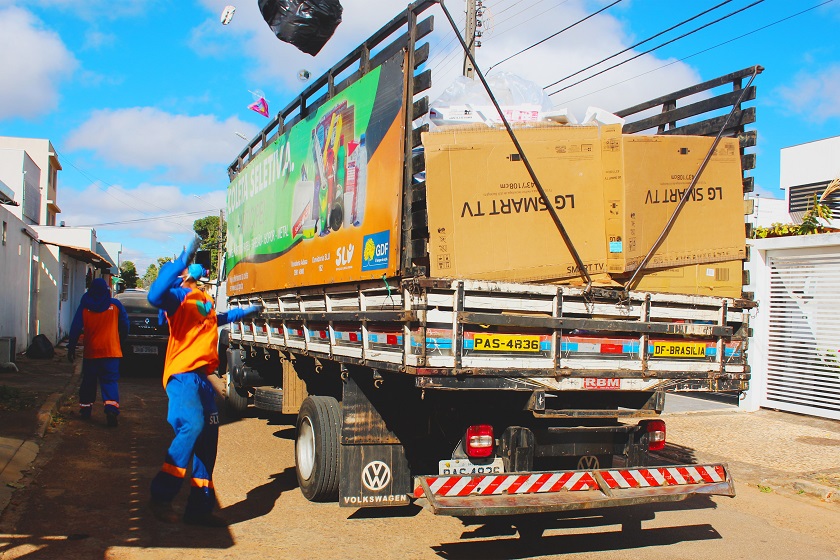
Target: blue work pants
[
  {"x": 194, "y": 417},
  {"x": 105, "y": 372}
]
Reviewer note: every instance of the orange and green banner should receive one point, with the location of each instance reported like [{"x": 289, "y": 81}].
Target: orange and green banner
[{"x": 322, "y": 203}]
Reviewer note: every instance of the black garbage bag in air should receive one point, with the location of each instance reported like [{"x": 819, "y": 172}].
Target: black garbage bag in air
[{"x": 306, "y": 24}]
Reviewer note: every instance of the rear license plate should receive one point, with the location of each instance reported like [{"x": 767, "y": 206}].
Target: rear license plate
[
  {"x": 144, "y": 349},
  {"x": 465, "y": 466},
  {"x": 506, "y": 343},
  {"x": 679, "y": 350}
]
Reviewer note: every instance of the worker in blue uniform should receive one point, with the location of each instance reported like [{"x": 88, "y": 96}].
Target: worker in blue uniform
[
  {"x": 191, "y": 355},
  {"x": 104, "y": 322}
]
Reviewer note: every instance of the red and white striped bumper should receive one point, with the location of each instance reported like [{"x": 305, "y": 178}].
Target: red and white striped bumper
[{"x": 546, "y": 491}]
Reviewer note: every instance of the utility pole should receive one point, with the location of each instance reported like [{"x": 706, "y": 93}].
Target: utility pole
[
  {"x": 474, "y": 9},
  {"x": 220, "y": 246}
]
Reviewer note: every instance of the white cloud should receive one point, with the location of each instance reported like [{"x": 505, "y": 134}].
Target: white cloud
[
  {"x": 35, "y": 60},
  {"x": 508, "y": 32},
  {"x": 147, "y": 138},
  {"x": 95, "y": 10},
  {"x": 816, "y": 95},
  {"x": 96, "y": 39},
  {"x": 149, "y": 220}
]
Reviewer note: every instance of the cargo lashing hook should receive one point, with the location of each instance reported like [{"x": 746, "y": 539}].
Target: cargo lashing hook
[{"x": 345, "y": 374}]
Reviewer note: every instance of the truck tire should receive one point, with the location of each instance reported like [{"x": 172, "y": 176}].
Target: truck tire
[
  {"x": 316, "y": 448},
  {"x": 236, "y": 399}
]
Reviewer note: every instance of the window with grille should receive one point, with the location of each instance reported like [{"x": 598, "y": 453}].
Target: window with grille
[{"x": 65, "y": 282}]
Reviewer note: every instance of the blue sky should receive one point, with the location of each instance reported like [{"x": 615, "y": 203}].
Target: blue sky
[{"x": 143, "y": 99}]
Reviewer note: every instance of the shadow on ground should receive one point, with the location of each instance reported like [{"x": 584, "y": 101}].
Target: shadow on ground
[{"x": 530, "y": 536}]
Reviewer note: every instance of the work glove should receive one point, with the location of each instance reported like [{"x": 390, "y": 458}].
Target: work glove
[
  {"x": 253, "y": 310},
  {"x": 71, "y": 355}
]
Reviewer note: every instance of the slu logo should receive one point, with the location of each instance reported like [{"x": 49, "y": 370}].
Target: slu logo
[
  {"x": 204, "y": 307},
  {"x": 376, "y": 250},
  {"x": 376, "y": 475}
]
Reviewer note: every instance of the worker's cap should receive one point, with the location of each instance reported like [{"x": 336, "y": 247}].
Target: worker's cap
[{"x": 196, "y": 272}]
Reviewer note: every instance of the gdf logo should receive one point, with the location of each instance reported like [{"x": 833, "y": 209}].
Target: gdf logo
[
  {"x": 376, "y": 251},
  {"x": 376, "y": 475}
]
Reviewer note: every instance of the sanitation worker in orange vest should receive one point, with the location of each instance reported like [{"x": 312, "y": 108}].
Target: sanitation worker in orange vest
[
  {"x": 104, "y": 322},
  {"x": 191, "y": 356}
]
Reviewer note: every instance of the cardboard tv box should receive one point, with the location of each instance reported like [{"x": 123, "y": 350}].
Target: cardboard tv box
[
  {"x": 644, "y": 179},
  {"x": 487, "y": 220},
  {"x": 720, "y": 279}
]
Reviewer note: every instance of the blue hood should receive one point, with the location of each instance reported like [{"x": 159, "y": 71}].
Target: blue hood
[{"x": 98, "y": 296}]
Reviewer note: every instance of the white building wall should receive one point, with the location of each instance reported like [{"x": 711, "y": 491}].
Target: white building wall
[
  {"x": 83, "y": 237},
  {"x": 16, "y": 301},
  {"x": 768, "y": 211},
  {"x": 20, "y": 172},
  {"x": 43, "y": 154},
  {"x": 811, "y": 162},
  {"x": 49, "y": 286}
]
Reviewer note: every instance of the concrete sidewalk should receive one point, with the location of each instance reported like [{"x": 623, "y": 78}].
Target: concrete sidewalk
[
  {"x": 775, "y": 450},
  {"x": 39, "y": 388}
]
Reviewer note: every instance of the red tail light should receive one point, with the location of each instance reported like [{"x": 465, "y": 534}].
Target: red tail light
[
  {"x": 656, "y": 434},
  {"x": 480, "y": 441}
]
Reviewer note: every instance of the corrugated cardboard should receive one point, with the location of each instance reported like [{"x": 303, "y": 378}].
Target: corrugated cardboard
[
  {"x": 486, "y": 218},
  {"x": 644, "y": 179},
  {"x": 721, "y": 279}
]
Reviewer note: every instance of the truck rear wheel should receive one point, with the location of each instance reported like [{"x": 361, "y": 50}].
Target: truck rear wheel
[
  {"x": 236, "y": 399},
  {"x": 317, "y": 447}
]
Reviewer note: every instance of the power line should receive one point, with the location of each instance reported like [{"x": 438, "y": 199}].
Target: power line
[
  {"x": 521, "y": 23},
  {"x": 684, "y": 35},
  {"x": 149, "y": 219},
  {"x": 96, "y": 183},
  {"x": 555, "y": 34},
  {"x": 639, "y": 43},
  {"x": 509, "y": 7},
  {"x": 763, "y": 27}
]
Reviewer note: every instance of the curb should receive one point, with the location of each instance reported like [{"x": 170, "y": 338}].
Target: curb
[
  {"x": 49, "y": 408},
  {"x": 26, "y": 451},
  {"x": 824, "y": 493}
]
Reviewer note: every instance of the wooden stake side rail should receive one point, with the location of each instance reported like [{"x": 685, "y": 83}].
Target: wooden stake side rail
[{"x": 559, "y": 335}]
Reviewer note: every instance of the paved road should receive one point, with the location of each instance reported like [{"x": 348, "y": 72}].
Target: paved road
[{"x": 87, "y": 494}]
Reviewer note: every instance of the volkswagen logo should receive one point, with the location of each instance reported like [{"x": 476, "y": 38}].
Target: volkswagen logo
[
  {"x": 147, "y": 320},
  {"x": 376, "y": 475},
  {"x": 588, "y": 462}
]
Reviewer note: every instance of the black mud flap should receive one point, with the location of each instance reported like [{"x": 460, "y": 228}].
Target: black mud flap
[
  {"x": 374, "y": 476},
  {"x": 537, "y": 492}
]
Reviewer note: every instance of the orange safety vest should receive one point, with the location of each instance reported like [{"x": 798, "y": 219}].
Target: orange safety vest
[
  {"x": 102, "y": 335},
  {"x": 193, "y": 338}
]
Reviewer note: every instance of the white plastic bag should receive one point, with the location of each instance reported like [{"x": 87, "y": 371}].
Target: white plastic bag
[
  {"x": 596, "y": 115},
  {"x": 466, "y": 101}
]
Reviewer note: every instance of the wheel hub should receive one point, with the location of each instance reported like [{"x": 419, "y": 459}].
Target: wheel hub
[{"x": 305, "y": 448}]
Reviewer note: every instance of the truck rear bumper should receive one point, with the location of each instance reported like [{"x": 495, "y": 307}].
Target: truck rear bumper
[{"x": 519, "y": 493}]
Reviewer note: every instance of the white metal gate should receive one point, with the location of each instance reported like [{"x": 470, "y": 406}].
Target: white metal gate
[{"x": 803, "y": 338}]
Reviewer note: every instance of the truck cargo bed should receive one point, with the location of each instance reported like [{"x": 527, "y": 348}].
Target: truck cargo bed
[{"x": 450, "y": 332}]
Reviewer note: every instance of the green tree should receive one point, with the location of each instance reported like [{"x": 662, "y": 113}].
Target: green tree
[
  {"x": 208, "y": 229},
  {"x": 128, "y": 273},
  {"x": 150, "y": 276}
]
